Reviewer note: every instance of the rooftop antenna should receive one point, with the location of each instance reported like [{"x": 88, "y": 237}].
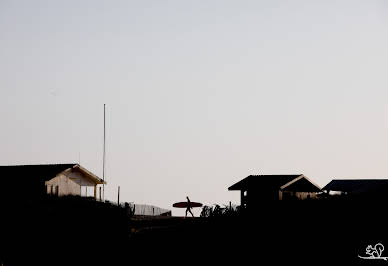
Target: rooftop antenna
[{"x": 103, "y": 163}]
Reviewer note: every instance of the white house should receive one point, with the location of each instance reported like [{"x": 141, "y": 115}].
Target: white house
[
  {"x": 74, "y": 180},
  {"x": 32, "y": 181}
]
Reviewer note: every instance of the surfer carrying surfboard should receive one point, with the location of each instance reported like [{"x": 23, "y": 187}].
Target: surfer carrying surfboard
[
  {"x": 188, "y": 209},
  {"x": 188, "y": 205}
]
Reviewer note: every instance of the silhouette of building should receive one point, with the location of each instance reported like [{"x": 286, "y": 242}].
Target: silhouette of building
[
  {"x": 375, "y": 187},
  {"x": 25, "y": 181},
  {"x": 259, "y": 188}
]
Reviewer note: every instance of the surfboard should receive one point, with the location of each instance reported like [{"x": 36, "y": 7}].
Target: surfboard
[{"x": 183, "y": 204}]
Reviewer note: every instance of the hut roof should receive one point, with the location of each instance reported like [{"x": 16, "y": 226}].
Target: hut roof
[
  {"x": 356, "y": 185},
  {"x": 27, "y": 174},
  {"x": 281, "y": 182}
]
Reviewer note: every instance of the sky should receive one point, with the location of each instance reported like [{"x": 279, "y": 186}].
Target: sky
[{"x": 198, "y": 94}]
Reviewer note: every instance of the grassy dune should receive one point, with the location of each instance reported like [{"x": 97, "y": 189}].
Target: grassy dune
[{"x": 79, "y": 231}]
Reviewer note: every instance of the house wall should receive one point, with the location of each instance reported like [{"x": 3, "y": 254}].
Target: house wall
[
  {"x": 285, "y": 195},
  {"x": 306, "y": 195},
  {"x": 243, "y": 198},
  {"x": 259, "y": 197},
  {"x": 266, "y": 195},
  {"x": 69, "y": 183},
  {"x": 78, "y": 178},
  {"x": 66, "y": 186},
  {"x": 262, "y": 195}
]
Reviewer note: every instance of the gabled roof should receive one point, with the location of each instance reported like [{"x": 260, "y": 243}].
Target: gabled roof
[
  {"x": 279, "y": 182},
  {"x": 28, "y": 174},
  {"x": 265, "y": 180},
  {"x": 89, "y": 174},
  {"x": 41, "y": 172},
  {"x": 301, "y": 184},
  {"x": 357, "y": 185}
]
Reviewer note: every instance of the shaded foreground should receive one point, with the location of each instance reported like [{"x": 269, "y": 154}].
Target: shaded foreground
[
  {"x": 304, "y": 232},
  {"x": 77, "y": 231}
]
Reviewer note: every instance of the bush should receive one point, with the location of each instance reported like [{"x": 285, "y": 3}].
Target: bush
[{"x": 218, "y": 211}]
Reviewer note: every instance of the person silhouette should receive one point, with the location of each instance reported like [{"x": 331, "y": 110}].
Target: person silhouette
[{"x": 188, "y": 209}]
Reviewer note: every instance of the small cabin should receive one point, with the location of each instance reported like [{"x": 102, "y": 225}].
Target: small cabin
[
  {"x": 75, "y": 180},
  {"x": 269, "y": 188},
  {"x": 33, "y": 181}
]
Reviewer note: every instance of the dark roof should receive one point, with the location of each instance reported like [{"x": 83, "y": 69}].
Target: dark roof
[
  {"x": 275, "y": 181},
  {"x": 357, "y": 185},
  {"x": 31, "y": 173}
]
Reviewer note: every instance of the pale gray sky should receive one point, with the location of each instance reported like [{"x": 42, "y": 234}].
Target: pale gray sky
[{"x": 199, "y": 94}]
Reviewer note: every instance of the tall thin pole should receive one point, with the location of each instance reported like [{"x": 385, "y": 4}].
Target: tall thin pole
[
  {"x": 118, "y": 196},
  {"x": 103, "y": 163}
]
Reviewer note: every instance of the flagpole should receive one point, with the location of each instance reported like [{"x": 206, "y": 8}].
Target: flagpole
[{"x": 103, "y": 163}]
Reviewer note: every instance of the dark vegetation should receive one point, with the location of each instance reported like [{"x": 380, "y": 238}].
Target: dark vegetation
[
  {"x": 332, "y": 231},
  {"x": 218, "y": 211},
  {"x": 60, "y": 231},
  {"x": 79, "y": 231}
]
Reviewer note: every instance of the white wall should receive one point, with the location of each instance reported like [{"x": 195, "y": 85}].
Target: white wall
[
  {"x": 70, "y": 182},
  {"x": 78, "y": 177},
  {"x": 66, "y": 185}
]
